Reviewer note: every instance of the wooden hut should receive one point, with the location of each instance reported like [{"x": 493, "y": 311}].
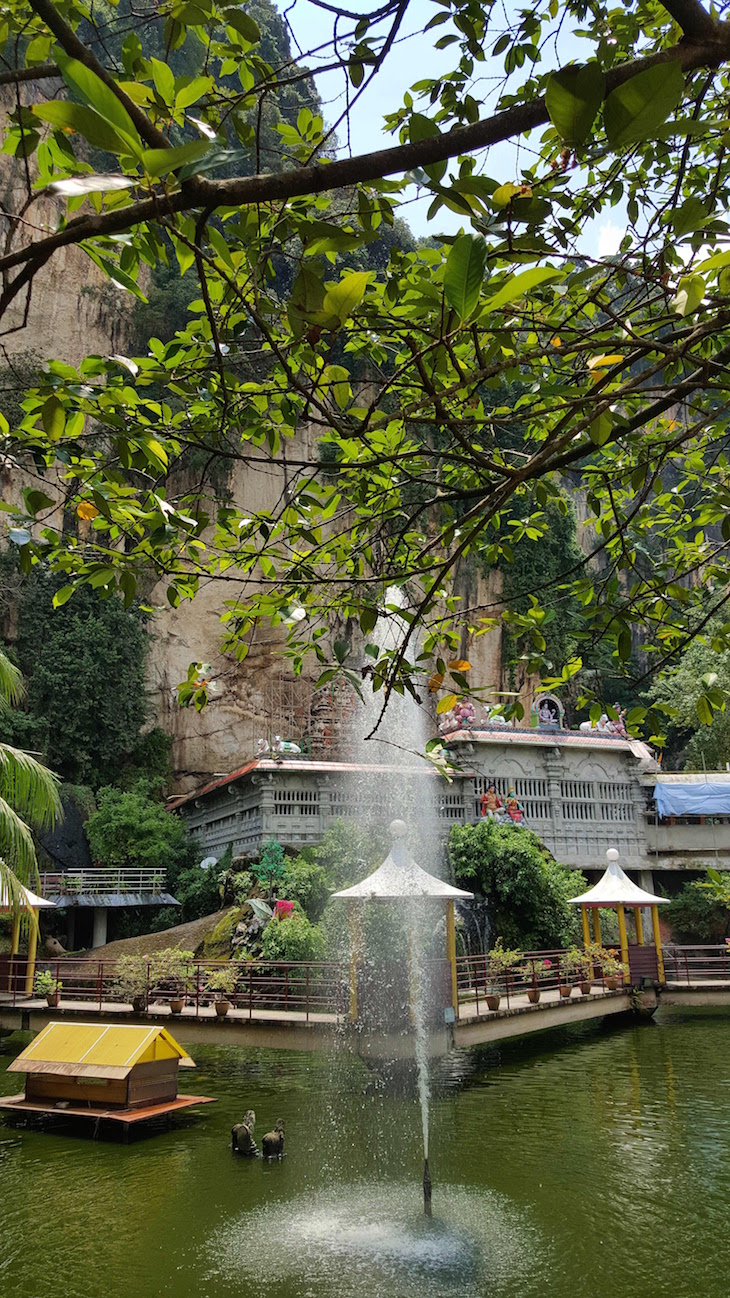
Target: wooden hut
[{"x": 124, "y": 1072}]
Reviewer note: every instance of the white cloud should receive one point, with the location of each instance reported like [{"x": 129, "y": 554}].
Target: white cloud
[{"x": 609, "y": 238}]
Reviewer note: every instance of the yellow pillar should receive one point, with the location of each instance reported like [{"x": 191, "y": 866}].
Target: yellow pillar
[
  {"x": 639, "y": 925},
  {"x": 596, "y": 925},
  {"x": 14, "y": 944},
  {"x": 623, "y": 938},
  {"x": 451, "y": 954},
  {"x": 354, "y": 923},
  {"x": 32, "y": 947},
  {"x": 586, "y": 929},
  {"x": 657, "y": 942}
]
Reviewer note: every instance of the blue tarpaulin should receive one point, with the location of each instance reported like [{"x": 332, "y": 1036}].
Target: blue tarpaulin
[{"x": 695, "y": 799}]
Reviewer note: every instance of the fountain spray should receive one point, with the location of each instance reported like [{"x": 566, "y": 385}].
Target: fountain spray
[{"x": 426, "y": 1188}]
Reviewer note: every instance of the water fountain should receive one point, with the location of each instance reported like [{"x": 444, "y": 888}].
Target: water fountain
[{"x": 402, "y": 881}]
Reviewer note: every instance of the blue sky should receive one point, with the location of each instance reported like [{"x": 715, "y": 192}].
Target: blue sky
[{"x": 412, "y": 59}]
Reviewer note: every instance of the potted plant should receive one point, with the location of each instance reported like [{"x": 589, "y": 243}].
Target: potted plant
[
  {"x": 577, "y": 964},
  {"x": 173, "y": 971},
  {"x": 499, "y": 961},
  {"x": 133, "y": 977},
  {"x": 222, "y": 982},
  {"x": 46, "y": 984},
  {"x": 613, "y": 970},
  {"x": 531, "y": 972}
]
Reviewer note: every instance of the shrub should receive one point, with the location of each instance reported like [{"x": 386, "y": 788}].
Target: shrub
[
  {"x": 132, "y": 829},
  {"x": 696, "y": 916},
  {"x": 291, "y": 939},
  {"x": 306, "y": 882},
  {"x": 270, "y": 868},
  {"x": 349, "y": 850},
  {"x": 525, "y": 889}
]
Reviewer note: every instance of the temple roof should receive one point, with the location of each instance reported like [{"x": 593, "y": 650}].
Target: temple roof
[{"x": 615, "y": 888}]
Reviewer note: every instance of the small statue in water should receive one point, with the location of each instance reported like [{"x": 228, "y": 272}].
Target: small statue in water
[
  {"x": 272, "y": 1145},
  {"x": 242, "y": 1140}
]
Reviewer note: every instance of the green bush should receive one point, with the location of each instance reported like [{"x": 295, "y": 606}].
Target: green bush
[
  {"x": 132, "y": 829},
  {"x": 695, "y": 915},
  {"x": 306, "y": 882},
  {"x": 525, "y": 889},
  {"x": 349, "y": 850},
  {"x": 293, "y": 938},
  {"x": 270, "y": 868}
]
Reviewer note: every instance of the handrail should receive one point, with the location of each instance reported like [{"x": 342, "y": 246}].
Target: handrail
[{"x": 102, "y": 879}]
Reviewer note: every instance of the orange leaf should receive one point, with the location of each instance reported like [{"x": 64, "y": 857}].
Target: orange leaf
[
  {"x": 86, "y": 510},
  {"x": 556, "y": 341},
  {"x": 460, "y": 665},
  {"x": 435, "y": 682}
]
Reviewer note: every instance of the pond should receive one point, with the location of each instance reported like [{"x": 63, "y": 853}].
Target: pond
[{"x": 590, "y": 1161}]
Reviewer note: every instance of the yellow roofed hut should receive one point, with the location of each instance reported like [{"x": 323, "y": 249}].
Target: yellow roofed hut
[{"x": 128, "y": 1073}]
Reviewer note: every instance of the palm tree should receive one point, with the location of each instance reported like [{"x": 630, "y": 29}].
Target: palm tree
[{"x": 28, "y": 798}]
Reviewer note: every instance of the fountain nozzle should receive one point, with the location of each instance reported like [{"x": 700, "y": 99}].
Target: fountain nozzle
[{"x": 426, "y": 1188}]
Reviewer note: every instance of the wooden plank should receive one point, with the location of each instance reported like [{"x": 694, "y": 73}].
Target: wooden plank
[{"x": 18, "y": 1103}]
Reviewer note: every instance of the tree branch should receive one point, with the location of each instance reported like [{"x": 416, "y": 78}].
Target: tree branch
[
  {"x": 695, "y": 22},
  {"x": 342, "y": 174},
  {"x": 40, "y": 72}
]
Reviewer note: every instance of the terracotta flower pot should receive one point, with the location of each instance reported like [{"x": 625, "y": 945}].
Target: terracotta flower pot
[
  {"x": 139, "y": 1004},
  {"x": 493, "y": 1001},
  {"x": 533, "y": 995},
  {"x": 176, "y": 1004},
  {"x": 565, "y": 990},
  {"x": 585, "y": 988},
  {"x": 222, "y": 1008},
  {"x": 53, "y": 999},
  {"x": 612, "y": 984}
]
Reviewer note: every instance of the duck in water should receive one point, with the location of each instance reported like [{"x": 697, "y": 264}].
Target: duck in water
[
  {"x": 242, "y": 1140},
  {"x": 272, "y": 1145}
]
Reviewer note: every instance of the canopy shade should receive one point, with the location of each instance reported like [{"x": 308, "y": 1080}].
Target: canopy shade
[
  {"x": 399, "y": 877},
  {"x": 615, "y": 888},
  {"x": 692, "y": 798},
  {"x": 30, "y": 900}
]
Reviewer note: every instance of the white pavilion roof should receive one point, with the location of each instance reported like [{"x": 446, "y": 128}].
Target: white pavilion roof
[
  {"x": 31, "y": 900},
  {"x": 400, "y": 876},
  {"x": 615, "y": 888}
]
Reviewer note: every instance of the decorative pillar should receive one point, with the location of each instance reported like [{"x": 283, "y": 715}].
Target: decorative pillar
[
  {"x": 554, "y": 767},
  {"x": 639, "y": 926},
  {"x": 354, "y": 924},
  {"x": 451, "y": 954},
  {"x": 100, "y": 926},
  {"x": 596, "y": 926},
  {"x": 32, "y": 948},
  {"x": 623, "y": 940},
  {"x": 657, "y": 942},
  {"x": 586, "y": 929}
]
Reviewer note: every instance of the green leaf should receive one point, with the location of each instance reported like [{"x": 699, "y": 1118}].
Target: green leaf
[
  {"x": 62, "y": 596},
  {"x": 573, "y": 98},
  {"x": 421, "y": 127},
  {"x": 100, "y": 98},
  {"x": 164, "y": 80},
  {"x": 689, "y": 216},
  {"x": 704, "y": 710},
  {"x": 356, "y": 71},
  {"x": 244, "y": 24},
  {"x": 84, "y": 121},
  {"x": 342, "y": 299},
  {"x": 464, "y": 273},
  {"x": 600, "y": 429},
  {"x": 635, "y": 110},
  {"x": 341, "y": 650},
  {"x": 53, "y": 418},
  {"x": 689, "y": 294},
  {"x": 191, "y": 93},
  {"x": 307, "y": 296},
  {"x": 157, "y": 162},
  {"x": 518, "y": 285},
  {"x": 368, "y": 620}
]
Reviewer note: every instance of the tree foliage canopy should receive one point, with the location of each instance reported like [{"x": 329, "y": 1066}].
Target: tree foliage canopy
[{"x": 622, "y": 361}]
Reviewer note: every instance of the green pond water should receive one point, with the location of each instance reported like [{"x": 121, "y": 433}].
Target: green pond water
[{"x": 590, "y": 1162}]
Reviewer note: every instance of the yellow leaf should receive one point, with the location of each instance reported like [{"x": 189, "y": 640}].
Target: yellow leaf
[
  {"x": 86, "y": 510},
  {"x": 461, "y": 665},
  {"x": 446, "y": 703},
  {"x": 435, "y": 682},
  {"x": 556, "y": 341},
  {"x": 603, "y": 361}
]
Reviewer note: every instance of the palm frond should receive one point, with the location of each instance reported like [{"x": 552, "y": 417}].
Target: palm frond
[
  {"x": 29, "y": 788},
  {"x": 12, "y": 688},
  {"x": 16, "y": 845},
  {"x": 13, "y": 896}
]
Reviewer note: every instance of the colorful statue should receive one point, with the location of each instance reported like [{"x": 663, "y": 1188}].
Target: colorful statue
[
  {"x": 515, "y": 812},
  {"x": 491, "y": 802}
]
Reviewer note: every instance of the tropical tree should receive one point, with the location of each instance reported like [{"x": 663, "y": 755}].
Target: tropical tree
[
  {"x": 617, "y": 366},
  {"x": 29, "y": 799}
]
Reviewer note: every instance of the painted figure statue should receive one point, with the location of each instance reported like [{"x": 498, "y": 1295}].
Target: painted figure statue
[{"x": 491, "y": 802}]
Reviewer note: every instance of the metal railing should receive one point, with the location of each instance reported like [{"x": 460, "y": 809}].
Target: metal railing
[
  {"x": 697, "y": 964},
  {"x": 102, "y": 881},
  {"x": 478, "y": 980},
  {"x": 295, "y": 988}
]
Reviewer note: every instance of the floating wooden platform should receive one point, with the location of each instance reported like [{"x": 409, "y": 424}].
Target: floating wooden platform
[{"x": 19, "y": 1104}]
